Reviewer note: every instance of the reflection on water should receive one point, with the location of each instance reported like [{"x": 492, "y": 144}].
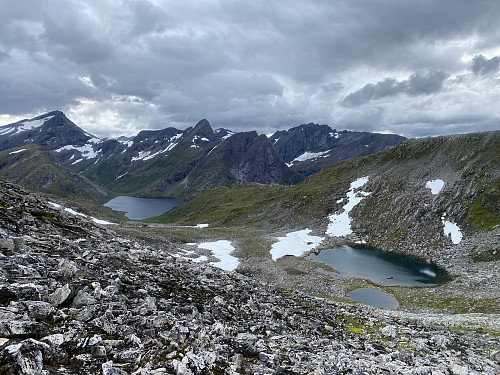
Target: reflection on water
[
  {"x": 381, "y": 267},
  {"x": 142, "y": 208}
]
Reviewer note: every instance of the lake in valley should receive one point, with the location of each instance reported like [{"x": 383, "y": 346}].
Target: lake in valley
[
  {"x": 142, "y": 208},
  {"x": 382, "y": 268}
]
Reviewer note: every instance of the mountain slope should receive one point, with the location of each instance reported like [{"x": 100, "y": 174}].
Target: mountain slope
[
  {"x": 400, "y": 213},
  {"x": 34, "y": 168},
  {"x": 77, "y": 298},
  {"x": 310, "y": 147},
  {"x": 52, "y": 130},
  {"x": 179, "y": 163},
  {"x": 243, "y": 157}
]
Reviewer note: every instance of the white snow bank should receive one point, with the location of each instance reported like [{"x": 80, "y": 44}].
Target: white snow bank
[
  {"x": 100, "y": 221},
  {"x": 32, "y": 124},
  {"x": 73, "y": 212},
  {"x": 201, "y": 225},
  {"x": 451, "y": 229},
  {"x": 309, "y": 155},
  {"x": 87, "y": 150},
  {"x": 295, "y": 243},
  {"x": 340, "y": 224},
  {"x": 435, "y": 186},
  {"x": 222, "y": 250},
  {"x": 17, "y": 151}
]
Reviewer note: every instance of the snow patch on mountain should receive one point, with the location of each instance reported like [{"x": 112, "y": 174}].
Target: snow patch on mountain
[
  {"x": 295, "y": 243},
  {"x": 31, "y": 124},
  {"x": 17, "y": 151},
  {"x": 340, "y": 224},
  {"x": 222, "y": 249},
  {"x": 86, "y": 150},
  {"x": 452, "y": 230},
  {"x": 76, "y": 213},
  {"x": 308, "y": 156},
  {"x": 435, "y": 186}
]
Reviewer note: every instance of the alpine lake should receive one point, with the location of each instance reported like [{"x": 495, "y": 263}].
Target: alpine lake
[
  {"x": 136, "y": 208},
  {"x": 381, "y": 268}
]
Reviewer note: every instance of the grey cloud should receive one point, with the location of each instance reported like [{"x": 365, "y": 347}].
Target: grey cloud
[
  {"x": 482, "y": 66},
  {"x": 148, "y": 18},
  {"x": 242, "y": 64},
  {"x": 416, "y": 84}
]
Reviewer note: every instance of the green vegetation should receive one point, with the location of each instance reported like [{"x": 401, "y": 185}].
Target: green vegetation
[
  {"x": 151, "y": 177},
  {"x": 478, "y": 330},
  {"x": 484, "y": 214},
  {"x": 46, "y": 218},
  {"x": 35, "y": 169},
  {"x": 224, "y": 206}
]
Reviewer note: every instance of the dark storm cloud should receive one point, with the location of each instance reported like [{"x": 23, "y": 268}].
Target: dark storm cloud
[
  {"x": 483, "y": 66},
  {"x": 135, "y": 64},
  {"x": 417, "y": 84}
]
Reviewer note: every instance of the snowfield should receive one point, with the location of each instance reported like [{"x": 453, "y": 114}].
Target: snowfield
[
  {"x": 435, "y": 186},
  {"x": 87, "y": 151},
  {"x": 222, "y": 250},
  {"x": 295, "y": 243},
  {"x": 340, "y": 224},
  {"x": 308, "y": 156},
  {"x": 73, "y": 212},
  {"x": 17, "y": 151},
  {"x": 451, "y": 229},
  {"x": 29, "y": 125}
]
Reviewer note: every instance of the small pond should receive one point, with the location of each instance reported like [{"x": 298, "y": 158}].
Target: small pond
[
  {"x": 142, "y": 208},
  {"x": 380, "y": 267},
  {"x": 374, "y": 297}
]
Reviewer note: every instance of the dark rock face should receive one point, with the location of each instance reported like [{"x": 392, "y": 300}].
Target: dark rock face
[
  {"x": 243, "y": 157},
  {"x": 51, "y": 130},
  {"x": 311, "y": 147},
  {"x": 76, "y": 298}
]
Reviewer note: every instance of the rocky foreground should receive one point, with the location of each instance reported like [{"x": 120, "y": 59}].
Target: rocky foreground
[{"x": 77, "y": 299}]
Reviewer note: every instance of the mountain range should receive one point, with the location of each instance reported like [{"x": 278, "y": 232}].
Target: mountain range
[{"x": 185, "y": 163}]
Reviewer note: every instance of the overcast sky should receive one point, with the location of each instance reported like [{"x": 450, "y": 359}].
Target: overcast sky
[{"x": 415, "y": 68}]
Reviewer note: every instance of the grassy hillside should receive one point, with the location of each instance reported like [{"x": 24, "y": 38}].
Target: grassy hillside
[
  {"x": 400, "y": 211},
  {"x": 33, "y": 167}
]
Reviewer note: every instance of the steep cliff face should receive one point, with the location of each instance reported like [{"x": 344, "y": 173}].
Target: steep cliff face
[
  {"x": 243, "y": 157},
  {"x": 310, "y": 147}
]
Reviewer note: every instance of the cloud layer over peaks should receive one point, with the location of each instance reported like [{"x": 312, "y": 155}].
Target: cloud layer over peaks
[{"x": 116, "y": 67}]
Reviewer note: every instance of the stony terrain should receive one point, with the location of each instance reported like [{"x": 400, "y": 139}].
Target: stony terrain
[{"x": 78, "y": 299}]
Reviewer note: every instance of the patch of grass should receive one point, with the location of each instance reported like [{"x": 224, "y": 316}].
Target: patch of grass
[
  {"x": 223, "y": 206},
  {"x": 46, "y": 218},
  {"x": 484, "y": 214},
  {"x": 480, "y": 330},
  {"x": 358, "y": 325},
  {"x": 433, "y": 298}
]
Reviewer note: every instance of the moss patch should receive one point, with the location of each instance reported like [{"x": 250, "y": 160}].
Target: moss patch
[
  {"x": 46, "y": 218},
  {"x": 484, "y": 214}
]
